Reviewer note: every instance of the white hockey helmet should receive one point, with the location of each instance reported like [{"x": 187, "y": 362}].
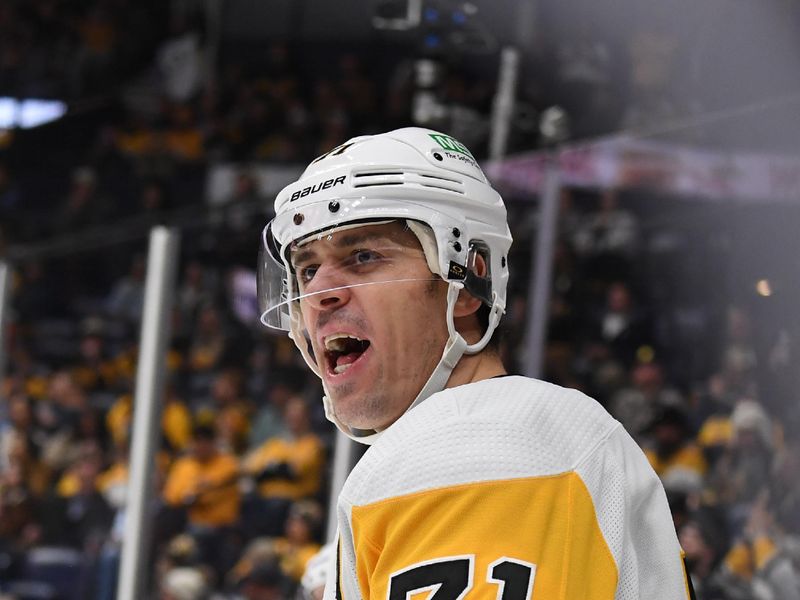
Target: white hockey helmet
[{"x": 426, "y": 178}]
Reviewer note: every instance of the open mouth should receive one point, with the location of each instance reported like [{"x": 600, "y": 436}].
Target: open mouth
[{"x": 342, "y": 350}]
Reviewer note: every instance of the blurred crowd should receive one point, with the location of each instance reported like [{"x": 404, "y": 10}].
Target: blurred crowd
[
  {"x": 67, "y": 49},
  {"x": 711, "y": 399},
  {"x": 242, "y": 472}
]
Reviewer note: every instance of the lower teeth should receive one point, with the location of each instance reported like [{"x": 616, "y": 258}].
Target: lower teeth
[{"x": 341, "y": 368}]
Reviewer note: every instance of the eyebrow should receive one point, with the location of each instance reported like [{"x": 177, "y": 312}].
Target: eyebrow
[{"x": 346, "y": 240}]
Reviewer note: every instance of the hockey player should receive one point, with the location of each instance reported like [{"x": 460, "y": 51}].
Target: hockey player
[{"x": 387, "y": 262}]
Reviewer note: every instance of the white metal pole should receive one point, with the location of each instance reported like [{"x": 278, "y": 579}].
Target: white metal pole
[
  {"x": 343, "y": 460},
  {"x": 503, "y": 106},
  {"x": 162, "y": 263},
  {"x": 543, "y": 248},
  {"x": 5, "y": 301}
]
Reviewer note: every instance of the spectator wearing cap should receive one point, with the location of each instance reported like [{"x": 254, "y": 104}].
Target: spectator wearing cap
[
  {"x": 743, "y": 471},
  {"x": 181, "y": 552},
  {"x": 264, "y": 581},
  {"x": 716, "y": 429},
  {"x": 673, "y": 448},
  {"x": 184, "y": 583}
]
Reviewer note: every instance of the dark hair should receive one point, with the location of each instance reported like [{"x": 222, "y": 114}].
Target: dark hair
[{"x": 204, "y": 431}]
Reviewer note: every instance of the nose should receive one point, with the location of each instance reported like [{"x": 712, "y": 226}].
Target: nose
[{"x": 328, "y": 290}]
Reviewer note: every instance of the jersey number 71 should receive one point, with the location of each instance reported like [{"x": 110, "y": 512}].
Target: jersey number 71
[{"x": 451, "y": 578}]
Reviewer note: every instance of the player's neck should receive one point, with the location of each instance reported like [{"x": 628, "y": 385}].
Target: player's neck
[{"x": 476, "y": 367}]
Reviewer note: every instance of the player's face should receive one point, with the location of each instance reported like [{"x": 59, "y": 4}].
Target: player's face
[{"x": 375, "y": 316}]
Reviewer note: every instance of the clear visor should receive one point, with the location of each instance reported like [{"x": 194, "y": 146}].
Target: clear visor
[{"x": 323, "y": 267}]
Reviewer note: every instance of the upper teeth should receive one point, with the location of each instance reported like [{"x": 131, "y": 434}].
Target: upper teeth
[{"x": 335, "y": 342}]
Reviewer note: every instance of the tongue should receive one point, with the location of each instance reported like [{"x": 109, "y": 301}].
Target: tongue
[{"x": 346, "y": 359}]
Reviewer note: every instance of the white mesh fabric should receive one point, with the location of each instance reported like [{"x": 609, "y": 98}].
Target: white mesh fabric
[
  {"x": 634, "y": 516},
  {"x": 494, "y": 429},
  {"x": 515, "y": 427}
]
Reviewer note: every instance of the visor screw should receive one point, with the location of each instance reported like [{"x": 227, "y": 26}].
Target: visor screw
[
  {"x": 503, "y": 261},
  {"x": 298, "y": 218},
  {"x": 437, "y": 156},
  {"x": 456, "y": 232},
  {"x": 457, "y": 246},
  {"x": 333, "y": 206}
]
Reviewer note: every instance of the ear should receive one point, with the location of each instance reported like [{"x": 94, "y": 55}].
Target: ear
[{"x": 468, "y": 304}]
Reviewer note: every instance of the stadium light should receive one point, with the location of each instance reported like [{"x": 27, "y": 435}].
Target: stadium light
[{"x": 28, "y": 113}]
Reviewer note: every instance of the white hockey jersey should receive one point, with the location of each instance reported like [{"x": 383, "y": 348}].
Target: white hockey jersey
[{"x": 508, "y": 488}]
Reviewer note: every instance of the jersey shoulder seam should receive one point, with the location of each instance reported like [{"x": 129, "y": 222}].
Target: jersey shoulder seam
[{"x": 596, "y": 446}]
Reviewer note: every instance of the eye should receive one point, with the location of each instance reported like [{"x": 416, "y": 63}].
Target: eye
[
  {"x": 363, "y": 257},
  {"x": 306, "y": 273}
]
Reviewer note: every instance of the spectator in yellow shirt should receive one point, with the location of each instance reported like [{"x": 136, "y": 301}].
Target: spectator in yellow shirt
[
  {"x": 176, "y": 420},
  {"x": 673, "y": 448},
  {"x": 205, "y": 484},
  {"x": 285, "y": 468},
  {"x": 233, "y": 411}
]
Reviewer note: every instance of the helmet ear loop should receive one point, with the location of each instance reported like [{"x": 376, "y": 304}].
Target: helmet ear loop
[
  {"x": 495, "y": 314},
  {"x": 453, "y": 290},
  {"x": 454, "y": 349}
]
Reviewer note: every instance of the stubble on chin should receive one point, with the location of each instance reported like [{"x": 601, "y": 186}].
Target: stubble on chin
[{"x": 361, "y": 409}]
